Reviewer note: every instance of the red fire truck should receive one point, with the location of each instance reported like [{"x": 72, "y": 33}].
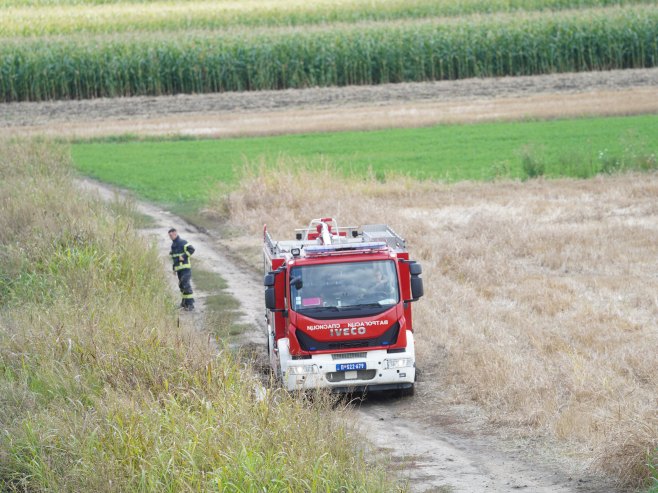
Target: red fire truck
[{"x": 338, "y": 308}]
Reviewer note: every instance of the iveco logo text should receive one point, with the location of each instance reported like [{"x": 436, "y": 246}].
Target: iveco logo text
[{"x": 347, "y": 331}]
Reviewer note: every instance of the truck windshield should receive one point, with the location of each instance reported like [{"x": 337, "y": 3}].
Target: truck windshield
[{"x": 370, "y": 286}]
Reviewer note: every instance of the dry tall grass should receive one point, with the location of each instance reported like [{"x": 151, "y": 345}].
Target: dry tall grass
[
  {"x": 540, "y": 303},
  {"x": 102, "y": 389}
]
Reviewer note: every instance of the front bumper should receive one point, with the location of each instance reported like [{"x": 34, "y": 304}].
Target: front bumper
[{"x": 320, "y": 370}]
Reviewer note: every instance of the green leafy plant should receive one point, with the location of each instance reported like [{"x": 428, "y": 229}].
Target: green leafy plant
[{"x": 532, "y": 163}]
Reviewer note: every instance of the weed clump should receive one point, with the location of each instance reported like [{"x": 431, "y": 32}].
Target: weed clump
[{"x": 532, "y": 164}]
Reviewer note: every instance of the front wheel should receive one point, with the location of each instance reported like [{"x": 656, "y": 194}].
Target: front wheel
[
  {"x": 272, "y": 356},
  {"x": 407, "y": 392},
  {"x": 281, "y": 358}
]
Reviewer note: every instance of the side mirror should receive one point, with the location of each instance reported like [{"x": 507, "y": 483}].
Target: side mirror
[
  {"x": 270, "y": 298},
  {"x": 417, "y": 290},
  {"x": 297, "y": 283},
  {"x": 270, "y": 295}
]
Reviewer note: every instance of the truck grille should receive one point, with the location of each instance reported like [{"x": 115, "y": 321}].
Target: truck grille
[
  {"x": 348, "y": 355},
  {"x": 339, "y": 376},
  {"x": 388, "y": 338}
]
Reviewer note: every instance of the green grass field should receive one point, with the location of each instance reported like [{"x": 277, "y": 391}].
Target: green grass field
[{"x": 184, "y": 172}]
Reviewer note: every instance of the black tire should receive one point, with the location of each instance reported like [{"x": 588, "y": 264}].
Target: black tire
[{"x": 407, "y": 392}]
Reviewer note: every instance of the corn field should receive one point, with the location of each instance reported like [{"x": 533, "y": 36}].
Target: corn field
[
  {"x": 78, "y": 67},
  {"x": 21, "y": 18}
]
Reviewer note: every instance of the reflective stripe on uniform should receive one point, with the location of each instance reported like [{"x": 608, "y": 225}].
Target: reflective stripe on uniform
[
  {"x": 185, "y": 249},
  {"x": 188, "y": 296},
  {"x": 183, "y": 266}
]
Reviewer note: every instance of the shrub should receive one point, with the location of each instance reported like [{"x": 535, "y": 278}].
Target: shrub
[{"x": 532, "y": 164}]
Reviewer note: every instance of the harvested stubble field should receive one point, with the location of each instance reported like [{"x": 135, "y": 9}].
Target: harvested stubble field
[
  {"x": 618, "y": 92},
  {"x": 540, "y": 301}
]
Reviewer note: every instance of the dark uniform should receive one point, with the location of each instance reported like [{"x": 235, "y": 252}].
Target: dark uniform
[{"x": 181, "y": 251}]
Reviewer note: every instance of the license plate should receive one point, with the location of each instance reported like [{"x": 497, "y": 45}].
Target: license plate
[{"x": 350, "y": 366}]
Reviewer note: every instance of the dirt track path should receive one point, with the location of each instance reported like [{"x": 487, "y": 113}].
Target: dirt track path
[
  {"x": 208, "y": 255},
  {"x": 438, "y": 450},
  {"x": 620, "y": 92}
]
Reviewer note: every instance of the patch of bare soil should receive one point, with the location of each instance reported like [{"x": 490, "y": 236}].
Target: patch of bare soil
[
  {"x": 619, "y": 92},
  {"x": 438, "y": 448}
]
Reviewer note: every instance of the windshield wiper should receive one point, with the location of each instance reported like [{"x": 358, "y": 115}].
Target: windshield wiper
[
  {"x": 318, "y": 308},
  {"x": 363, "y": 305}
]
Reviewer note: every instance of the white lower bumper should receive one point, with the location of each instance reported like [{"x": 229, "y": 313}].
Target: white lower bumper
[{"x": 382, "y": 370}]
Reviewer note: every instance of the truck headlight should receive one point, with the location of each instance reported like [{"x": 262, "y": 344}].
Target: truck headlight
[
  {"x": 391, "y": 364},
  {"x": 302, "y": 369}
]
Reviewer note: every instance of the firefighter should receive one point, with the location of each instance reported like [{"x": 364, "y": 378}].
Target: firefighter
[{"x": 181, "y": 251}]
